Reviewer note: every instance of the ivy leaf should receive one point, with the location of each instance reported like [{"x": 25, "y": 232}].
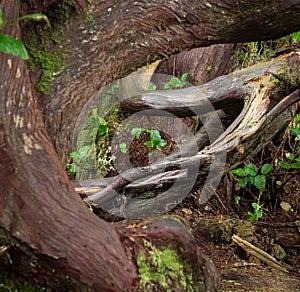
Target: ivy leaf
[
  {"x": 266, "y": 168},
  {"x": 283, "y": 164},
  {"x": 242, "y": 182},
  {"x": 10, "y": 45},
  {"x": 251, "y": 169},
  {"x": 136, "y": 132},
  {"x": 260, "y": 182}
]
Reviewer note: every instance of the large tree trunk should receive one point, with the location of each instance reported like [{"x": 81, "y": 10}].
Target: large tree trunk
[
  {"x": 132, "y": 34},
  {"x": 201, "y": 64},
  {"x": 42, "y": 219}
]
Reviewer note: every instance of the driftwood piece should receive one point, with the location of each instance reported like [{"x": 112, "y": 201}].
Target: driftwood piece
[
  {"x": 268, "y": 107},
  {"x": 258, "y": 253}
]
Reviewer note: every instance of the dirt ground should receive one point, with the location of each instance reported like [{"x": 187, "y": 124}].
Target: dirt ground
[{"x": 213, "y": 226}]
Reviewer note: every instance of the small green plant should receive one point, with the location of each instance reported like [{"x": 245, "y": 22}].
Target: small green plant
[
  {"x": 295, "y": 37},
  {"x": 293, "y": 158},
  {"x": 173, "y": 83},
  {"x": 80, "y": 159},
  {"x": 10, "y": 45},
  {"x": 250, "y": 175},
  {"x": 83, "y": 156},
  {"x": 99, "y": 125},
  {"x": 156, "y": 141},
  {"x": 257, "y": 211},
  {"x": 123, "y": 147}
]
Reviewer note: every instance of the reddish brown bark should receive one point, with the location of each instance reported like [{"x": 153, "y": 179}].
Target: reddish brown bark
[
  {"x": 128, "y": 35},
  {"x": 201, "y": 64},
  {"x": 39, "y": 209}
]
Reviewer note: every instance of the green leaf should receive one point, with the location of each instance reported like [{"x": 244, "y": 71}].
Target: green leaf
[
  {"x": 295, "y": 36},
  {"x": 242, "y": 181},
  {"x": 149, "y": 144},
  {"x": 255, "y": 206},
  {"x": 154, "y": 135},
  {"x": 136, "y": 132},
  {"x": 283, "y": 164},
  {"x": 295, "y": 165},
  {"x": 12, "y": 46},
  {"x": 103, "y": 130},
  {"x": 184, "y": 76},
  {"x": 266, "y": 168},
  {"x": 239, "y": 172},
  {"x": 297, "y": 159},
  {"x": 1, "y": 18},
  {"x": 156, "y": 139},
  {"x": 123, "y": 148},
  {"x": 260, "y": 182},
  {"x": 36, "y": 17},
  {"x": 291, "y": 156},
  {"x": 72, "y": 169},
  {"x": 251, "y": 169},
  {"x": 296, "y": 131},
  {"x": 237, "y": 199},
  {"x": 151, "y": 86}
]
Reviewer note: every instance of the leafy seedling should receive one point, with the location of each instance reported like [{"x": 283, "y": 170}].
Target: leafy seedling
[
  {"x": 250, "y": 175},
  {"x": 99, "y": 125},
  {"x": 175, "y": 83},
  {"x": 123, "y": 148}
]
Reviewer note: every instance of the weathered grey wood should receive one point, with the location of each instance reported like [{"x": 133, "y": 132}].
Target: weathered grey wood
[{"x": 257, "y": 124}]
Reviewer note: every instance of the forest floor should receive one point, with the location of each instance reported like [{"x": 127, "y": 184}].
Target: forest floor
[
  {"x": 214, "y": 223},
  {"x": 213, "y": 226}
]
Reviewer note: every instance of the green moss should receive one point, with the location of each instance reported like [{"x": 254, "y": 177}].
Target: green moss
[
  {"x": 8, "y": 283},
  {"x": 45, "y": 44},
  {"x": 51, "y": 63},
  {"x": 161, "y": 268},
  {"x": 220, "y": 231}
]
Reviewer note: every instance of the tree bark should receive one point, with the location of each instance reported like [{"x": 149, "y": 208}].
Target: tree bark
[
  {"x": 126, "y": 36},
  {"x": 41, "y": 215},
  {"x": 201, "y": 64}
]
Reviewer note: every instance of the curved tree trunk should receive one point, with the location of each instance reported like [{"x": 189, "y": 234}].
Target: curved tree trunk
[
  {"x": 131, "y": 34},
  {"x": 41, "y": 216},
  {"x": 201, "y": 64}
]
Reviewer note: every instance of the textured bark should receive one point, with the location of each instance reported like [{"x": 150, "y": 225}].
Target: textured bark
[
  {"x": 201, "y": 64},
  {"x": 39, "y": 209},
  {"x": 41, "y": 214},
  {"x": 128, "y": 35}
]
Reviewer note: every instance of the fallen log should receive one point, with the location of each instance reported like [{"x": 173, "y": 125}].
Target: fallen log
[{"x": 269, "y": 92}]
